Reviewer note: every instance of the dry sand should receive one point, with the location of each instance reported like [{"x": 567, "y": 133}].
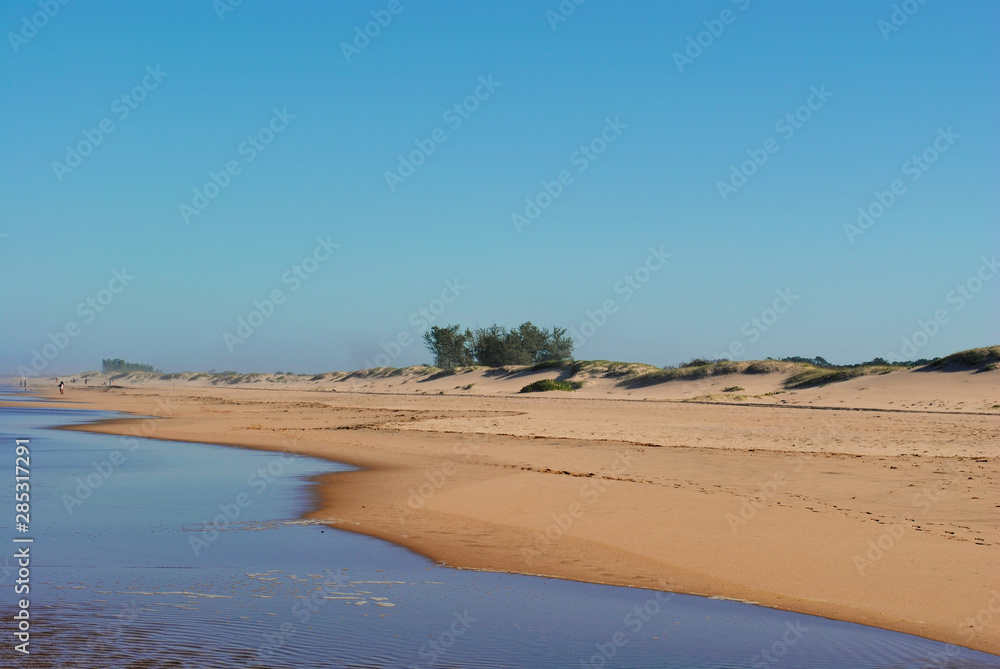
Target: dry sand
[{"x": 874, "y": 500}]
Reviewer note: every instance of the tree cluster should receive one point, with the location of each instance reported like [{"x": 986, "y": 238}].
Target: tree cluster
[
  {"x": 495, "y": 346},
  {"x": 117, "y": 365}
]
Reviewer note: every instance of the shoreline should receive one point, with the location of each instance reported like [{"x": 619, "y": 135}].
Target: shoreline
[{"x": 467, "y": 513}]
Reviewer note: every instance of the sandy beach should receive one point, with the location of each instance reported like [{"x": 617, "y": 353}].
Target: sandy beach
[{"x": 874, "y": 500}]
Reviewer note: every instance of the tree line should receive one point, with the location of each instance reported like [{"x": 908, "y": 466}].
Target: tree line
[
  {"x": 496, "y": 346},
  {"x": 118, "y": 365},
  {"x": 819, "y": 361}
]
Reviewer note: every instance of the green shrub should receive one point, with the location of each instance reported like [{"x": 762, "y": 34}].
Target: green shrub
[
  {"x": 548, "y": 364},
  {"x": 762, "y": 367},
  {"x": 820, "y": 377},
  {"x": 451, "y": 371},
  {"x": 733, "y": 389},
  {"x": 549, "y": 384}
]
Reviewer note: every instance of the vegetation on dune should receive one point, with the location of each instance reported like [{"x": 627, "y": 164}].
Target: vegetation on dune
[
  {"x": 230, "y": 378},
  {"x": 609, "y": 368},
  {"x": 717, "y": 398},
  {"x": 701, "y": 369},
  {"x": 441, "y": 374},
  {"x": 801, "y": 373},
  {"x": 764, "y": 367},
  {"x": 589, "y": 368},
  {"x": 528, "y": 343},
  {"x": 544, "y": 385},
  {"x": 818, "y": 361},
  {"x": 549, "y": 364},
  {"x": 817, "y": 376},
  {"x": 374, "y": 373},
  {"x": 985, "y": 358}
]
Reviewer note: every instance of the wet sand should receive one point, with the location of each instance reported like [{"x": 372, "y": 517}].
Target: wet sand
[{"x": 885, "y": 518}]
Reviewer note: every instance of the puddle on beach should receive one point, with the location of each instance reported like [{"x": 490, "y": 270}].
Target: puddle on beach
[{"x": 134, "y": 576}]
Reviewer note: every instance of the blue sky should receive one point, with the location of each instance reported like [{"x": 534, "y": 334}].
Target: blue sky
[{"x": 662, "y": 122}]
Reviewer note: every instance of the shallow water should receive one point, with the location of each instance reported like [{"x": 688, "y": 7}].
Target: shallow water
[{"x": 134, "y": 576}]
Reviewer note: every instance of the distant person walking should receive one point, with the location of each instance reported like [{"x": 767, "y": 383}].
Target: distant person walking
[{"x": 61, "y": 384}]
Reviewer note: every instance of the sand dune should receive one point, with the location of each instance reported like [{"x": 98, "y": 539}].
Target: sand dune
[
  {"x": 873, "y": 500},
  {"x": 963, "y": 388}
]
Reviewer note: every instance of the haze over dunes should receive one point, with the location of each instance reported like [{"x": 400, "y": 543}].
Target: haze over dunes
[{"x": 967, "y": 384}]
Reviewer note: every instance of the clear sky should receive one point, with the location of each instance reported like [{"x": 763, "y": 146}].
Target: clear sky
[{"x": 654, "y": 175}]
